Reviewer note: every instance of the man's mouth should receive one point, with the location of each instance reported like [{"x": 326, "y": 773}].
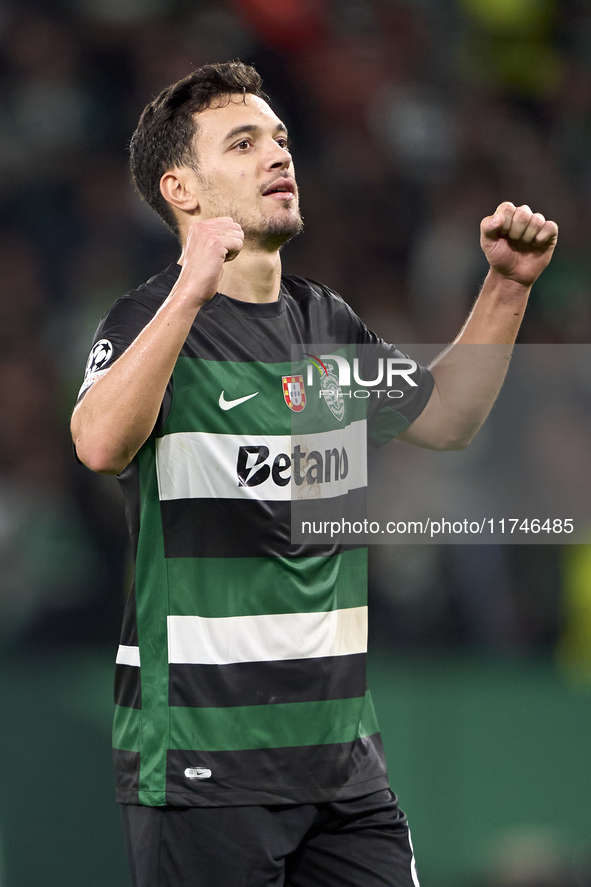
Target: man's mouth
[{"x": 282, "y": 189}]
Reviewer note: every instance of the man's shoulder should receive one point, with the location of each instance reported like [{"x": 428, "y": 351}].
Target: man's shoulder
[
  {"x": 331, "y": 317},
  {"x": 127, "y": 316},
  {"x": 305, "y": 288},
  {"x": 155, "y": 290},
  {"x": 137, "y": 306}
]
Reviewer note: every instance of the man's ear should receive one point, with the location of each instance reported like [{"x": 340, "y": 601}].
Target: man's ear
[{"x": 178, "y": 186}]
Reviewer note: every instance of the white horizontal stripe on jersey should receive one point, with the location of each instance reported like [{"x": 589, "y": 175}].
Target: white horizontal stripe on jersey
[
  {"x": 200, "y": 465},
  {"x": 198, "y": 640},
  {"x": 128, "y": 655}
]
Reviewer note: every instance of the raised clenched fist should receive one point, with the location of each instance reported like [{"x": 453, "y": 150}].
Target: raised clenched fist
[{"x": 517, "y": 242}]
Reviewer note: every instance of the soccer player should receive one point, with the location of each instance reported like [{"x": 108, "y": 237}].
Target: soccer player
[{"x": 246, "y": 747}]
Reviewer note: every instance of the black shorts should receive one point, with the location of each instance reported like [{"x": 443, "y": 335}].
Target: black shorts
[{"x": 364, "y": 842}]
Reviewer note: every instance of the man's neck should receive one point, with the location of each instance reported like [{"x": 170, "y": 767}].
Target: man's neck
[{"x": 253, "y": 276}]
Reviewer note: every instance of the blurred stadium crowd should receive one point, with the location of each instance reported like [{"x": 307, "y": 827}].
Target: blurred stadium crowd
[{"x": 410, "y": 121}]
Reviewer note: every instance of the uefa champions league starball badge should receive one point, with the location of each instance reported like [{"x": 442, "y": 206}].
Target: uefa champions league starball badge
[
  {"x": 96, "y": 366},
  {"x": 99, "y": 356}
]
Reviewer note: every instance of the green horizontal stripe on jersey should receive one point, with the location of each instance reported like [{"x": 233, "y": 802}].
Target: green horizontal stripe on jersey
[
  {"x": 266, "y": 413},
  {"x": 257, "y": 586},
  {"x": 126, "y": 728},
  {"x": 273, "y": 726}
]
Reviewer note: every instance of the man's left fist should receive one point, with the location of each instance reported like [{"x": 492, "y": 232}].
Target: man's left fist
[{"x": 517, "y": 242}]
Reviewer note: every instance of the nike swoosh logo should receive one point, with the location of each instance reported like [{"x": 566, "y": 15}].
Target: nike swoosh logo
[
  {"x": 198, "y": 773},
  {"x": 230, "y": 404}
]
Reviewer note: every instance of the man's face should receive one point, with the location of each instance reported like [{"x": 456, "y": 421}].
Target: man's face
[{"x": 245, "y": 170}]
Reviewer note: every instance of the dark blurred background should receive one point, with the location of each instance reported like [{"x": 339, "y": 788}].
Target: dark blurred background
[{"x": 411, "y": 119}]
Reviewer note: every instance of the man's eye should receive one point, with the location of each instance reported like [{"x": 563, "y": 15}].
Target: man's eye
[
  {"x": 243, "y": 144},
  {"x": 283, "y": 143}
]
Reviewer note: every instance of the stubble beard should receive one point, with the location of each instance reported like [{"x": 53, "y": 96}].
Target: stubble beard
[
  {"x": 270, "y": 235},
  {"x": 276, "y": 234},
  {"x": 265, "y": 234}
]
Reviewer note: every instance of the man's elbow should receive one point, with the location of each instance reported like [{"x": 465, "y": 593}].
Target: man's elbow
[
  {"x": 450, "y": 446},
  {"x": 97, "y": 447},
  {"x": 99, "y": 458},
  {"x": 456, "y": 441}
]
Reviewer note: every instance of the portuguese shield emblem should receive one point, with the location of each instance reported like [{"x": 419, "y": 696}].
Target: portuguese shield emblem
[{"x": 294, "y": 392}]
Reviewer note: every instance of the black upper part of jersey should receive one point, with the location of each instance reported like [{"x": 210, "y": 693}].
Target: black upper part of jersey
[{"x": 231, "y": 329}]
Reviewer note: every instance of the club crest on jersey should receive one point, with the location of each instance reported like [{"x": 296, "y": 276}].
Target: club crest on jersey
[
  {"x": 294, "y": 392},
  {"x": 332, "y": 394}
]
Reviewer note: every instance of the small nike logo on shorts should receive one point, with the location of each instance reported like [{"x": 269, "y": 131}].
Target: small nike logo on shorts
[
  {"x": 230, "y": 404},
  {"x": 198, "y": 773}
]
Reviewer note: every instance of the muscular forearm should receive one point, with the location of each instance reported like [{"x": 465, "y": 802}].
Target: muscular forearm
[
  {"x": 118, "y": 413},
  {"x": 469, "y": 374},
  {"x": 497, "y": 314}
]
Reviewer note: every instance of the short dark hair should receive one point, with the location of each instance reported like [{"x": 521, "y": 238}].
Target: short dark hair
[{"x": 164, "y": 135}]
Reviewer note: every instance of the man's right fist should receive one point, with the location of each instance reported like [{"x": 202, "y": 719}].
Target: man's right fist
[
  {"x": 223, "y": 236},
  {"x": 209, "y": 244}
]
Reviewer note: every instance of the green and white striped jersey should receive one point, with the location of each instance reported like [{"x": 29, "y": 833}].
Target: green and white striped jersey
[{"x": 240, "y": 677}]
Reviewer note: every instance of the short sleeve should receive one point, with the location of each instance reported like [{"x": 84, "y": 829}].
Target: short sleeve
[
  {"x": 118, "y": 328},
  {"x": 402, "y": 395}
]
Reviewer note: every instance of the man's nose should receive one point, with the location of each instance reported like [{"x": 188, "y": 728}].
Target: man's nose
[{"x": 279, "y": 158}]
